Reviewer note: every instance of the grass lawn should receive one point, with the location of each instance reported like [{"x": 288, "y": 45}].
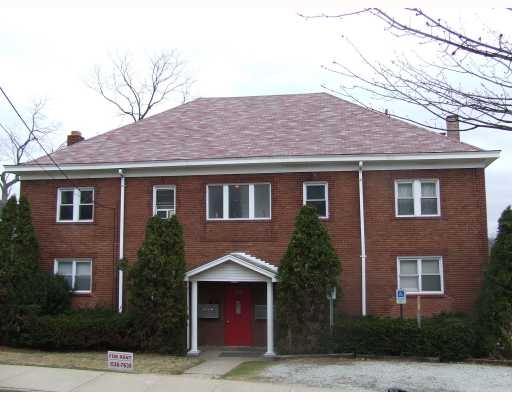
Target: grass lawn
[
  {"x": 95, "y": 360},
  {"x": 248, "y": 369}
]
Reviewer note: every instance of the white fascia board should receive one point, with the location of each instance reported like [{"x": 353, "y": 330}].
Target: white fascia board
[
  {"x": 468, "y": 155},
  {"x": 480, "y": 159}
]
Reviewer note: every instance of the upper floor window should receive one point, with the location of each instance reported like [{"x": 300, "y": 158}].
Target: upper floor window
[
  {"x": 417, "y": 198},
  {"x": 316, "y": 194},
  {"x": 77, "y": 273},
  {"x": 238, "y": 201},
  {"x": 164, "y": 201},
  {"x": 421, "y": 275},
  {"x": 75, "y": 205}
]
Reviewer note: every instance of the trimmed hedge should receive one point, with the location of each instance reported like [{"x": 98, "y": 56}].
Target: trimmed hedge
[
  {"x": 451, "y": 337},
  {"x": 78, "y": 330}
]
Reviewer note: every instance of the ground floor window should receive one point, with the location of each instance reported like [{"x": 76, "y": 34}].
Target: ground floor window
[
  {"x": 421, "y": 274},
  {"x": 77, "y": 273}
]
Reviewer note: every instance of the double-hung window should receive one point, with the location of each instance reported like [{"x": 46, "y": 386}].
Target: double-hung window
[
  {"x": 417, "y": 198},
  {"x": 164, "y": 201},
  {"x": 76, "y": 272},
  {"x": 421, "y": 275},
  {"x": 316, "y": 194},
  {"x": 238, "y": 201},
  {"x": 75, "y": 205}
]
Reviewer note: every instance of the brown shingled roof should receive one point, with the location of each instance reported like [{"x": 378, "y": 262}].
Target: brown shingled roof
[{"x": 239, "y": 127}]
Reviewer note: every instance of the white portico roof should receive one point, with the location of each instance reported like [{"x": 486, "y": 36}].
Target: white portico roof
[{"x": 237, "y": 266}]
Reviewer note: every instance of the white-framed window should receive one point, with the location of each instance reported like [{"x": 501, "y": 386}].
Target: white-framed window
[
  {"x": 239, "y": 201},
  {"x": 417, "y": 198},
  {"x": 420, "y": 275},
  {"x": 77, "y": 273},
  {"x": 164, "y": 201},
  {"x": 316, "y": 194},
  {"x": 75, "y": 205}
]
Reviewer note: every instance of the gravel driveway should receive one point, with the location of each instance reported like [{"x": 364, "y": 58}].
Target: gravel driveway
[{"x": 355, "y": 375}]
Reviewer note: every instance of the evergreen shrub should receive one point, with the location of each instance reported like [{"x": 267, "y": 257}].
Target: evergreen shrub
[
  {"x": 77, "y": 330},
  {"x": 156, "y": 288},
  {"x": 451, "y": 337},
  {"x": 308, "y": 271},
  {"x": 495, "y": 304}
]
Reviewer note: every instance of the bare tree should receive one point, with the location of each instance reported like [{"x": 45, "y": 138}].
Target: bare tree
[
  {"x": 16, "y": 144},
  {"x": 470, "y": 75},
  {"x": 136, "y": 92}
]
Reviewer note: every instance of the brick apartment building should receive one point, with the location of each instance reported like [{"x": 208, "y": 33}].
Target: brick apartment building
[{"x": 404, "y": 206}]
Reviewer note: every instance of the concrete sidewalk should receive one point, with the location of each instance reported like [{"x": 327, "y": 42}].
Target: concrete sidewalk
[{"x": 17, "y": 377}]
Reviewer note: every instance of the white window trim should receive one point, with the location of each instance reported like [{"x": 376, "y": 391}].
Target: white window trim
[
  {"x": 73, "y": 272},
  {"x": 416, "y": 192},
  {"x": 225, "y": 202},
  {"x": 76, "y": 205},
  {"x": 304, "y": 195},
  {"x": 419, "y": 263},
  {"x": 160, "y": 187}
]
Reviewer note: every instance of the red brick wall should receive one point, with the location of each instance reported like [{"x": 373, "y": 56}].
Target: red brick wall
[
  {"x": 459, "y": 235},
  {"x": 97, "y": 240}
]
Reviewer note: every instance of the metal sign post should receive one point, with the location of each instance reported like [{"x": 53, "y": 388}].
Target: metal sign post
[
  {"x": 331, "y": 296},
  {"x": 418, "y": 310}
]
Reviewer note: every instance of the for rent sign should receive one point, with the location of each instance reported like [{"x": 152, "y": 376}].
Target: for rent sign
[{"x": 120, "y": 361}]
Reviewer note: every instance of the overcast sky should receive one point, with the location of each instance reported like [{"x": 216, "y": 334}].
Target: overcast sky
[{"x": 230, "y": 52}]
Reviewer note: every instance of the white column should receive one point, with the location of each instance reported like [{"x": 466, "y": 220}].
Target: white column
[
  {"x": 270, "y": 320},
  {"x": 194, "y": 351},
  {"x": 121, "y": 243},
  {"x": 188, "y": 315}
]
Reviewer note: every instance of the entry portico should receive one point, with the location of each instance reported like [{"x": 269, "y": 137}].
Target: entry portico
[{"x": 238, "y": 277}]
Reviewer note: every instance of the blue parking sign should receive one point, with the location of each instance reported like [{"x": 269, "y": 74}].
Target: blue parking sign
[{"x": 401, "y": 296}]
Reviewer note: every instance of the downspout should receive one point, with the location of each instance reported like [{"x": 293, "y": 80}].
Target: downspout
[
  {"x": 363, "y": 241},
  {"x": 121, "y": 243}
]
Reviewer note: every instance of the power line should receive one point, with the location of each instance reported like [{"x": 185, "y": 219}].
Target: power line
[
  {"x": 96, "y": 202},
  {"x": 15, "y": 141},
  {"x": 31, "y": 134}
]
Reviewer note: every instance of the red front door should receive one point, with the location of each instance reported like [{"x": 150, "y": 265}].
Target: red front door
[{"x": 237, "y": 316}]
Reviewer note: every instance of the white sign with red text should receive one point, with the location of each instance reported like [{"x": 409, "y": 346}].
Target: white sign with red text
[{"x": 120, "y": 361}]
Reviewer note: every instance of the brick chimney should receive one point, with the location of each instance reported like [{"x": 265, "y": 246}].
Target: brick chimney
[
  {"x": 452, "y": 127},
  {"x": 74, "y": 137}
]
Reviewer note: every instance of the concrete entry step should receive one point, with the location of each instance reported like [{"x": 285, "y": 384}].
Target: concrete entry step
[{"x": 242, "y": 352}]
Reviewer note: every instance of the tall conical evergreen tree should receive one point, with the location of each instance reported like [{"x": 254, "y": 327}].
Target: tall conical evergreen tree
[
  {"x": 495, "y": 307},
  {"x": 7, "y": 229},
  {"x": 24, "y": 288},
  {"x": 25, "y": 242},
  {"x": 25, "y": 246},
  {"x": 157, "y": 294},
  {"x": 308, "y": 271}
]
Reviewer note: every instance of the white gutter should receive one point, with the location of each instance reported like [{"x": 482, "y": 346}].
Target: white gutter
[
  {"x": 121, "y": 242},
  {"x": 467, "y": 155},
  {"x": 363, "y": 241}
]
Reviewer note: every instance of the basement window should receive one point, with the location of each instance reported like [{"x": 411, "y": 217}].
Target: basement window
[
  {"x": 315, "y": 194},
  {"x": 417, "y": 198},
  {"x": 75, "y": 205},
  {"x": 421, "y": 275},
  {"x": 238, "y": 201},
  {"x": 164, "y": 201},
  {"x": 76, "y": 272}
]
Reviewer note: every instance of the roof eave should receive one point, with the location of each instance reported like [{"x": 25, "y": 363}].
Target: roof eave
[{"x": 488, "y": 156}]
